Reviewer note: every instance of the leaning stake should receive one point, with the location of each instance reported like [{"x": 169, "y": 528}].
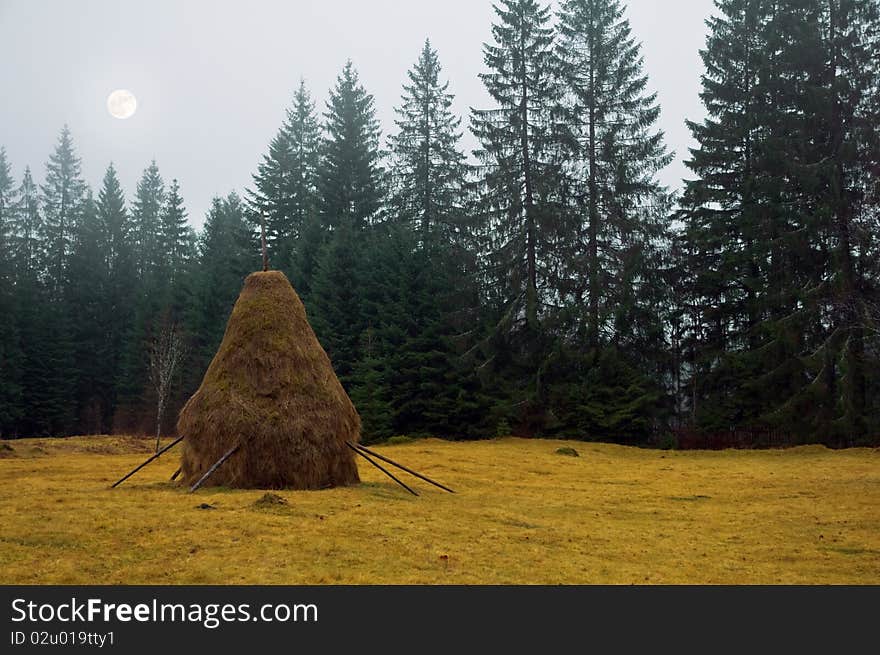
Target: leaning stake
[
  {"x": 211, "y": 470},
  {"x": 402, "y": 467},
  {"x": 168, "y": 447},
  {"x": 381, "y": 468}
]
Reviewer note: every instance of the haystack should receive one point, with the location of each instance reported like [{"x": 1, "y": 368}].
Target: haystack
[{"x": 272, "y": 389}]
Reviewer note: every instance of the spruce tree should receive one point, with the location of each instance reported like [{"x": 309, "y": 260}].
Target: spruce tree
[
  {"x": 428, "y": 167},
  {"x": 226, "y": 256},
  {"x": 175, "y": 236},
  {"x": 286, "y": 181},
  {"x": 149, "y": 296},
  {"x": 11, "y": 354},
  {"x": 147, "y": 222},
  {"x": 62, "y": 202},
  {"x": 521, "y": 194},
  {"x": 116, "y": 228},
  {"x": 350, "y": 177},
  {"x": 620, "y": 208},
  {"x": 28, "y": 258},
  {"x": 336, "y": 302},
  {"x": 610, "y": 273},
  {"x": 94, "y": 381},
  {"x": 50, "y": 374},
  {"x": 780, "y": 220},
  {"x": 846, "y": 157},
  {"x": 28, "y": 250},
  {"x": 519, "y": 150}
]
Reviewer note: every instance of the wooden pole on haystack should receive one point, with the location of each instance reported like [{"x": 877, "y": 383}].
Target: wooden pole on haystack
[
  {"x": 156, "y": 456},
  {"x": 381, "y": 468},
  {"x": 211, "y": 470},
  {"x": 364, "y": 449},
  {"x": 263, "y": 241}
]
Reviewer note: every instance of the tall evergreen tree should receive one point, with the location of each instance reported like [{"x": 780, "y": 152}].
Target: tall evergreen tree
[
  {"x": 846, "y": 84},
  {"x": 286, "y": 180},
  {"x": 350, "y": 177},
  {"x": 175, "y": 236},
  {"x": 7, "y": 203},
  {"x": 28, "y": 256},
  {"x": 721, "y": 206},
  {"x": 28, "y": 230},
  {"x": 519, "y": 150},
  {"x": 521, "y": 195},
  {"x": 62, "y": 202},
  {"x": 94, "y": 381},
  {"x": 779, "y": 221},
  {"x": 147, "y": 222},
  {"x": 620, "y": 208},
  {"x": 118, "y": 265},
  {"x": 226, "y": 257},
  {"x": 335, "y": 308},
  {"x": 609, "y": 277},
  {"x": 428, "y": 166},
  {"x": 10, "y": 347},
  {"x": 150, "y": 296}
]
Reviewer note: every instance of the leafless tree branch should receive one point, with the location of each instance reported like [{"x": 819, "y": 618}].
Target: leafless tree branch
[{"x": 166, "y": 352}]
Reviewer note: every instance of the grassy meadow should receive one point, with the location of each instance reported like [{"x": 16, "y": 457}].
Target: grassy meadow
[{"x": 522, "y": 514}]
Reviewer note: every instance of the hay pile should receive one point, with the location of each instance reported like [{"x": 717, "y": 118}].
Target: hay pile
[{"x": 271, "y": 387}]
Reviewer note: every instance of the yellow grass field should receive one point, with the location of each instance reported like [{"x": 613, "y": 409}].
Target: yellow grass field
[{"x": 522, "y": 514}]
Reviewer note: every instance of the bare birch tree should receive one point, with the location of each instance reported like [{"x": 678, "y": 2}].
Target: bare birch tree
[{"x": 166, "y": 353}]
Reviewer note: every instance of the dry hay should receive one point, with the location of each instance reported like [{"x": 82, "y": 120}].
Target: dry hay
[{"x": 271, "y": 388}]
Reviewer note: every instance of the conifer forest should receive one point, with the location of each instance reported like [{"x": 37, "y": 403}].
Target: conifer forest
[{"x": 544, "y": 284}]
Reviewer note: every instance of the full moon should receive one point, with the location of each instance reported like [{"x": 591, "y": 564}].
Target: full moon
[{"x": 121, "y": 104}]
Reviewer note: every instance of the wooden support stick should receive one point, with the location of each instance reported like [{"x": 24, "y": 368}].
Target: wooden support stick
[
  {"x": 166, "y": 448},
  {"x": 211, "y": 470},
  {"x": 381, "y": 468},
  {"x": 263, "y": 241},
  {"x": 402, "y": 467},
  {"x": 176, "y": 473}
]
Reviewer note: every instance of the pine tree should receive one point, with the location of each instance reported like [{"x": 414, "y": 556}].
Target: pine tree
[
  {"x": 226, "y": 257},
  {"x": 519, "y": 149},
  {"x": 62, "y": 200},
  {"x": 175, "y": 236},
  {"x": 521, "y": 195},
  {"x": 428, "y": 167},
  {"x": 336, "y": 306},
  {"x": 846, "y": 84},
  {"x": 286, "y": 180},
  {"x": 11, "y": 354},
  {"x": 115, "y": 225},
  {"x": 27, "y": 231},
  {"x": 28, "y": 258},
  {"x": 147, "y": 222},
  {"x": 609, "y": 275},
  {"x": 94, "y": 380},
  {"x": 620, "y": 208},
  {"x": 7, "y": 202},
  {"x": 721, "y": 207},
  {"x": 116, "y": 229},
  {"x": 350, "y": 177},
  {"x": 150, "y": 297},
  {"x": 779, "y": 221}
]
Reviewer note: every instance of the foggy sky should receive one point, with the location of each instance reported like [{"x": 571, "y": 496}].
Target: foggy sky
[{"x": 213, "y": 79}]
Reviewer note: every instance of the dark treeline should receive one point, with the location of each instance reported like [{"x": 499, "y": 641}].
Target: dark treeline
[{"x": 548, "y": 286}]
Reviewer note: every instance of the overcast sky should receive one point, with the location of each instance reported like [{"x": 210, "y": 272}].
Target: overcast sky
[{"x": 213, "y": 78}]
